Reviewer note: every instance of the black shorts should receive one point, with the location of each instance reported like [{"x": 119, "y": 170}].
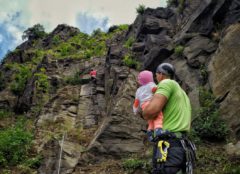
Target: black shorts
[{"x": 176, "y": 159}]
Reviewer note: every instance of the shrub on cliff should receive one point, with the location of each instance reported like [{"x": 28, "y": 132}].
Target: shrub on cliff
[
  {"x": 140, "y": 9},
  {"x": 35, "y": 32},
  {"x": 20, "y": 81},
  {"x": 208, "y": 125},
  {"x": 14, "y": 144}
]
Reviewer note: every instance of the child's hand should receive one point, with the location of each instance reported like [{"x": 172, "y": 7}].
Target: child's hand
[{"x": 154, "y": 89}]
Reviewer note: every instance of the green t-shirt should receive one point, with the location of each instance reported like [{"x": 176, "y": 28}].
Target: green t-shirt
[{"x": 177, "y": 111}]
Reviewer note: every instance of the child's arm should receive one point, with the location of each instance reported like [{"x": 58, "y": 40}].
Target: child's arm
[{"x": 135, "y": 106}]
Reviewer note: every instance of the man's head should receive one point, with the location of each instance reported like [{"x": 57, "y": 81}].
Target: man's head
[
  {"x": 165, "y": 69},
  {"x": 145, "y": 77}
]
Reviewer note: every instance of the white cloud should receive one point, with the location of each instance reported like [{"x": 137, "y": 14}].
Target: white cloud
[
  {"x": 17, "y": 33},
  {"x": 54, "y": 12},
  {"x": 18, "y": 15},
  {"x": 88, "y": 23},
  {"x": 14, "y": 18},
  {"x": 10, "y": 7}
]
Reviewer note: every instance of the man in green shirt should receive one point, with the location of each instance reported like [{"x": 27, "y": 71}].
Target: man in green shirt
[{"x": 171, "y": 99}]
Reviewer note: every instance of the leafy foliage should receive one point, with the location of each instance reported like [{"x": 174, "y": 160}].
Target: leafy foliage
[
  {"x": 35, "y": 32},
  {"x": 203, "y": 74},
  {"x": 14, "y": 144},
  {"x": 181, "y": 6},
  {"x": 33, "y": 162},
  {"x": 56, "y": 40},
  {"x": 118, "y": 28},
  {"x": 132, "y": 164},
  {"x": 4, "y": 113},
  {"x": 18, "y": 85},
  {"x": 179, "y": 50},
  {"x": 130, "y": 62},
  {"x": 129, "y": 42},
  {"x": 233, "y": 169},
  {"x": 83, "y": 46},
  {"x": 207, "y": 124},
  {"x": 41, "y": 83},
  {"x": 140, "y": 9},
  {"x": 76, "y": 79},
  {"x": 171, "y": 2},
  {"x": 66, "y": 49},
  {"x": 97, "y": 33}
]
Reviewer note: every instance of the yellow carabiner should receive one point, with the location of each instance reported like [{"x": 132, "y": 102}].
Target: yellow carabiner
[{"x": 163, "y": 148}]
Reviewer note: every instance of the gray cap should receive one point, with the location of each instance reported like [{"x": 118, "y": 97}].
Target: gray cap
[{"x": 167, "y": 69}]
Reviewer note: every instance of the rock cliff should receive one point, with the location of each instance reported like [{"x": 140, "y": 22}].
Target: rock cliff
[{"x": 92, "y": 121}]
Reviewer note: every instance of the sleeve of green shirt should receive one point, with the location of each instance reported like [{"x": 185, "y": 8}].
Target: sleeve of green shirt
[{"x": 164, "y": 88}]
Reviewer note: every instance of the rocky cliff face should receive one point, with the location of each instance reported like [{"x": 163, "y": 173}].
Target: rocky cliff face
[
  {"x": 93, "y": 121},
  {"x": 224, "y": 78}
]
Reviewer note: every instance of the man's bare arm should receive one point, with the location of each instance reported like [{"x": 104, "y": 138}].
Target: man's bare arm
[{"x": 154, "y": 107}]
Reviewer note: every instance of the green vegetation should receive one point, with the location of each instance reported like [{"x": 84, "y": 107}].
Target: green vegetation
[
  {"x": 9, "y": 66},
  {"x": 178, "y": 50},
  {"x": 37, "y": 58},
  {"x": 123, "y": 27},
  {"x": 76, "y": 79},
  {"x": 35, "y": 32},
  {"x": 172, "y": 2},
  {"x": 140, "y": 9},
  {"x": 16, "y": 149},
  {"x": 97, "y": 33},
  {"x": 213, "y": 159},
  {"x": 41, "y": 82},
  {"x": 15, "y": 142},
  {"x": 4, "y": 113},
  {"x": 203, "y": 74},
  {"x": 115, "y": 29},
  {"x": 128, "y": 44},
  {"x": 21, "y": 77},
  {"x": 82, "y": 46},
  {"x": 207, "y": 124},
  {"x": 181, "y": 6},
  {"x": 131, "y": 164},
  {"x": 66, "y": 49},
  {"x": 129, "y": 61},
  {"x": 56, "y": 40}
]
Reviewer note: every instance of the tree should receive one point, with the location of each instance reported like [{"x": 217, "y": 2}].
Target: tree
[
  {"x": 97, "y": 32},
  {"x": 140, "y": 9},
  {"x": 35, "y": 32}
]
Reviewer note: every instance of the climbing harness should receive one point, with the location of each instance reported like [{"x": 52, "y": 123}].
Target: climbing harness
[{"x": 162, "y": 146}]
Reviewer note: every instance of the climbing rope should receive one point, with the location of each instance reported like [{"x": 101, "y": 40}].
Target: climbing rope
[{"x": 60, "y": 156}]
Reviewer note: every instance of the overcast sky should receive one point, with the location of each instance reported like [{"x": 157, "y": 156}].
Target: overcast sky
[{"x": 18, "y": 15}]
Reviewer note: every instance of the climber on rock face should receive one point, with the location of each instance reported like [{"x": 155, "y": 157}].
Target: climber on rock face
[{"x": 93, "y": 74}]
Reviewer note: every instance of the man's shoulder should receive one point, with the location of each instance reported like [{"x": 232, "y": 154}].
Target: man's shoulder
[{"x": 167, "y": 82}]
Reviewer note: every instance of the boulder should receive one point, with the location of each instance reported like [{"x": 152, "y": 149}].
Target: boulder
[
  {"x": 197, "y": 49},
  {"x": 224, "y": 77},
  {"x": 115, "y": 137}
]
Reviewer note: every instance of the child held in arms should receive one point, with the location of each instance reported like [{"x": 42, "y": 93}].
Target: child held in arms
[{"x": 143, "y": 95}]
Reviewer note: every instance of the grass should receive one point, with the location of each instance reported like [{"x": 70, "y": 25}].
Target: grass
[{"x": 212, "y": 158}]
